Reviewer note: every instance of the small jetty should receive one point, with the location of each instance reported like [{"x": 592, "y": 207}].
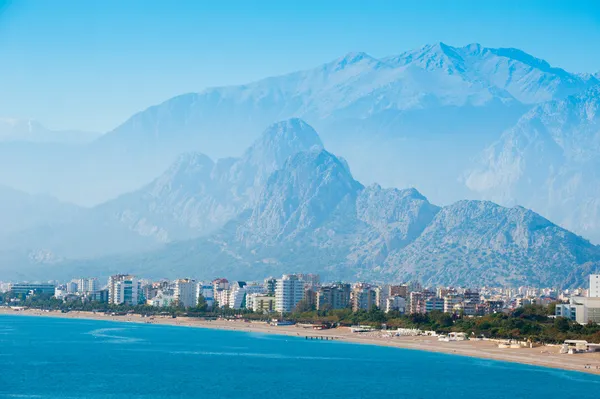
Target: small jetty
[{"x": 321, "y": 337}]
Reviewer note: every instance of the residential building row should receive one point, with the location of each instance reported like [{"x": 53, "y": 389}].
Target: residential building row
[{"x": 288, "y": 292}]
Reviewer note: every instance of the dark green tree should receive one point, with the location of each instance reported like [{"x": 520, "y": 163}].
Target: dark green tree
[{"x": 202, "y": 305}]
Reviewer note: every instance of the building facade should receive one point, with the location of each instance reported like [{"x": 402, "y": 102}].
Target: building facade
[
  {"x": 289, "y": 291},
  {"x": 261, "y": 303},
  {"x": 184, "y": 292},
  {"x": 123, "y": 289},
  {"x": 26, "y": 288},
  {"x": 363, "y": 297},
  {"x": 334, "y": 296},
  {"x": 594, "y": 291}
]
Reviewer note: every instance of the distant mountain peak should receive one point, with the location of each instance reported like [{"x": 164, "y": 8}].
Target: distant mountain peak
[
  {"x": 281, "y": 140},
  {"x": 352, "y": 58}
]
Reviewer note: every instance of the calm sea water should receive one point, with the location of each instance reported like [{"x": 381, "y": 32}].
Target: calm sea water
[{"x": 59, "y": 358}]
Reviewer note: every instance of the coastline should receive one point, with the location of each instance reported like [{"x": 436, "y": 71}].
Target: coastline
[{"x": 544, "y": 356}]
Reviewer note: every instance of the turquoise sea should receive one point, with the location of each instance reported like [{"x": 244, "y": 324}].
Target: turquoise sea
[{"x": 60, "y": 358}]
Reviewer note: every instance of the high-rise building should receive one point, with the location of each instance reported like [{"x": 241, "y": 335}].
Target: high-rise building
[
  {"x": 184, "y": 292},
  {"x": 71, "y": 287},
  {"x": 310, "y": 296},
  {"x": 450, "y": 301},
  {"x": 222, "y": 297},
  {"x": 334, "y": 296},
  {"x": 594, "y": 291},
  {"x": 363, "y": 297},
  {"x": 472, "y": 296},
  {"x": 270, "y": 284},
  {"x": 417, "y": 302},
  {"x": 433, "y": 304},
  {"x": 221, "y": 292},
  {"x": 398, "y": 290},
  {"x": 237, "y": 295},
  {"x": 381, "y": 296},
  {"x": 86, "y": 285},
  {"x": 289, "y": 291},
  {"x": 123, "y": 289}
]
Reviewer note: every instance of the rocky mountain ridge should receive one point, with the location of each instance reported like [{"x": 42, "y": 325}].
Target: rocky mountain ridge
[{"x": 311, "y": 215}]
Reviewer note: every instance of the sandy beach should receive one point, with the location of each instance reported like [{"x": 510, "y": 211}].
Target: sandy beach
[{"x": 546, "y": 356}]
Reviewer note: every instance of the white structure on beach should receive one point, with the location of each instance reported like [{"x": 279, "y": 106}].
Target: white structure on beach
[{"x": 289, "y": 290}]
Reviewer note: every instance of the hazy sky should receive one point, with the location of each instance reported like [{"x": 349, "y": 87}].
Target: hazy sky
[{"x": 90, "y": 65}]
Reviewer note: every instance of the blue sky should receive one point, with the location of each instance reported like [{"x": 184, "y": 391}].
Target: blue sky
[{"x": 90, "y": 64}]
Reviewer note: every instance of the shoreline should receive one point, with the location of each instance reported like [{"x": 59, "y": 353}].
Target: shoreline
[{"x": 544, "y": 356}]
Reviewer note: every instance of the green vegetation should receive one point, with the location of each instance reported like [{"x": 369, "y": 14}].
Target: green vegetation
[{"x": 527, "y": 323}]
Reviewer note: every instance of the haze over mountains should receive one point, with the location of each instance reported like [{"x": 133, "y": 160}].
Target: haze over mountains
[
  {"x": 455, "y": 122},
  {"x": 31, "y": 131},
  {"x": 289, "y": 203}
]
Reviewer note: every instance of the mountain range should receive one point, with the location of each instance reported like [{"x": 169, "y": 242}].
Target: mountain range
[
  {"x": 471, "y": 122},
  {"x": 550, "y": 161},
  {"x": 288, "y": 204}
]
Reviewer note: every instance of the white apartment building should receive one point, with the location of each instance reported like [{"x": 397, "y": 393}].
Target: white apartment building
[
  {"x": 594, "y": 291},
  {"x": 123, "y": 289},
  {"x": 87, "y": 285},
  {"x": 289, "y": 290},
  {"x": 395, "y": 303},
  {"x": 184, "y": 292},
  {"x": 240, "y": 291},
  {"x": 222, "y": 297}
]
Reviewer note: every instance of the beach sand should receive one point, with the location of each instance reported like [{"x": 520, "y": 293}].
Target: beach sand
[{"x": 546, "y": 356}]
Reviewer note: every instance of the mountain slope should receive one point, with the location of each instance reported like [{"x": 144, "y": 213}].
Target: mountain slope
[
  {"x": 549, "y": 161},
  {"x": 312, "y": 216},
  {"x": 195, "y": 195},
  {"x": 480, "y": 241}
]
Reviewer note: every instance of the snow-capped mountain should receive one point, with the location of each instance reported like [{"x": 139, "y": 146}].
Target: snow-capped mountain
[
  {"x": 357, "y": 87},
  {"x": 413, "y": 119},
  {"x": 549, "y": 161},
  {"x": 446, "y": 103}
]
